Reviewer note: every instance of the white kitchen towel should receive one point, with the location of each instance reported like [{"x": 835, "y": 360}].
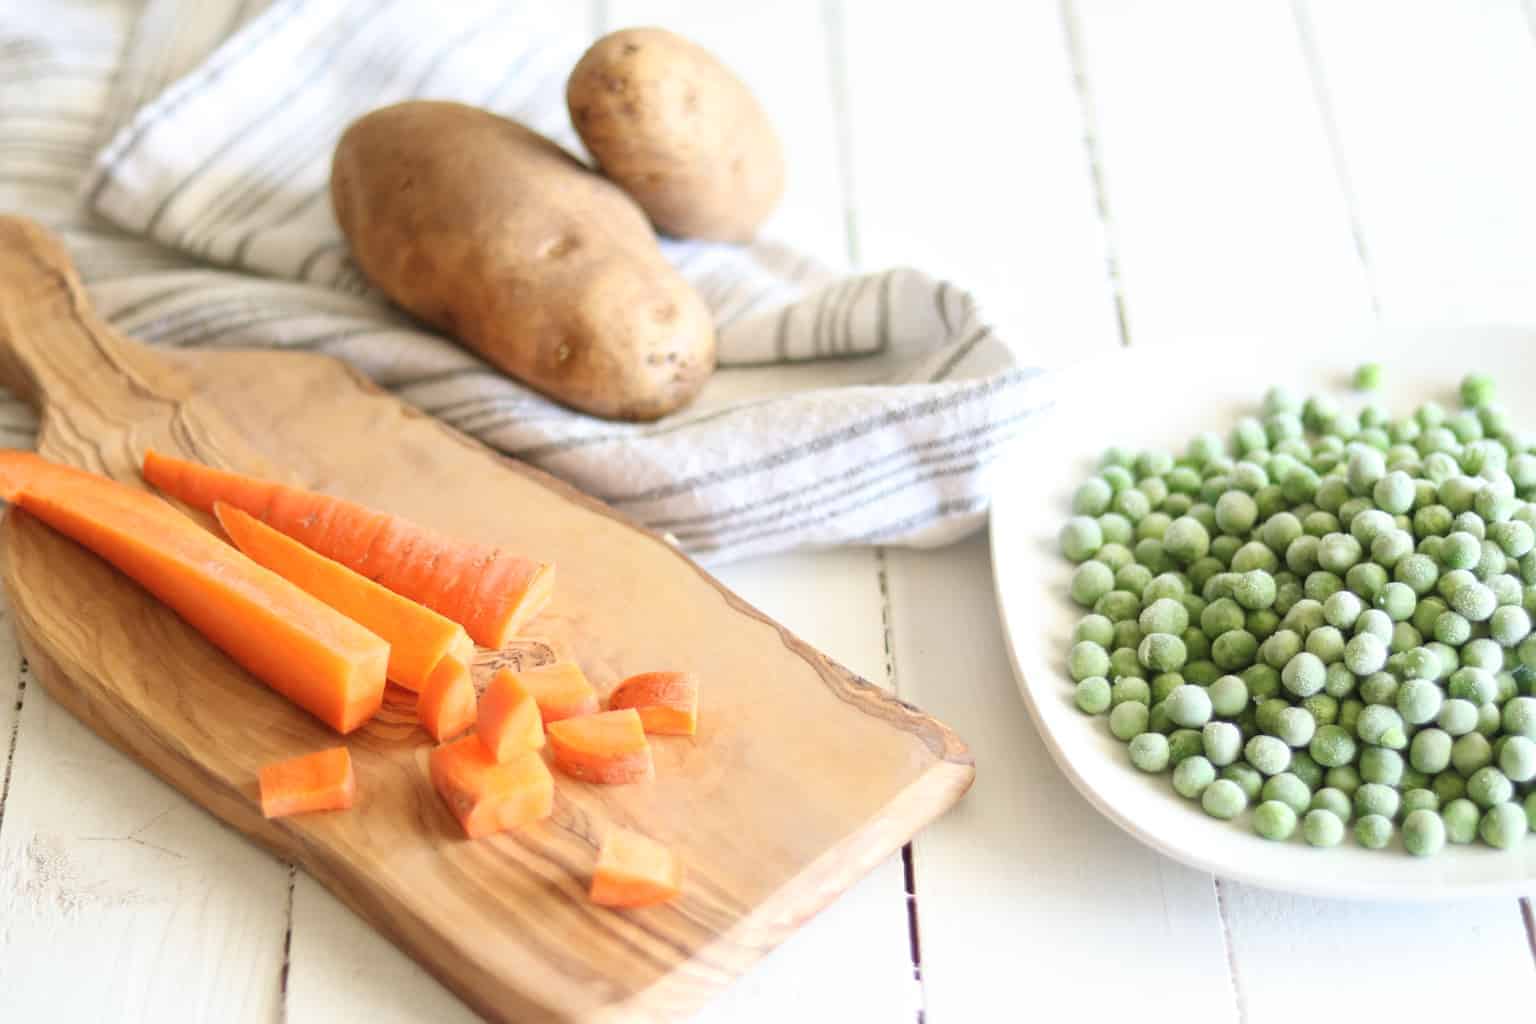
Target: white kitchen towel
[{"x": 849, "y": 408}]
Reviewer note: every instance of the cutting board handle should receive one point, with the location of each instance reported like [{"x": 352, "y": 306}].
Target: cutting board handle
[{"x": 53, "y": 345}]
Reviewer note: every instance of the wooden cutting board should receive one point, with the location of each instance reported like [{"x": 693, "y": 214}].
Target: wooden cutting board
[{"x": 801, "y": 779}]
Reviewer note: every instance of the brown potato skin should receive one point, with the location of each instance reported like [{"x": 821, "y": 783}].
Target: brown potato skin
[
  {"x": 498, "y": 237},
  {"x": 679, "y": 131}
]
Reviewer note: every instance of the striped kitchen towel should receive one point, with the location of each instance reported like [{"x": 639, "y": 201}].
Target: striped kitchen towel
[{"x": 849, "y": 408}]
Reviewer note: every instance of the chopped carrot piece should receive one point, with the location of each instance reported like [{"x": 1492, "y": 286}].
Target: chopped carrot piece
[
  {"x": 634, "y": 871},
  {"x": 668, "y": 702},
  {"x": 488, "y": 590},
  {"x": 561, "y": 690},
  {"x": 322, "y": 781},
  {"x": 487, "y": 795},
  {"x": 508, "y": 719},
  {"x": 310, "y": 653},
  {"x": 446, "y": 705},
  {"x": 609, "y": 747},
  {"x": 418, "y": 637}
]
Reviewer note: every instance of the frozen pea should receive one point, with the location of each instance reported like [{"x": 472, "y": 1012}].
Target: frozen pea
[
  {"x": 1484, "y": 654},
  {"x": 1336, "y": 552},
  {"x": 1280, "y": 647},
  {"x": 1164, "y": 615},
  {"x": 1461, "y": 818},
  {"x": 1446, "y": 655},
  {"x": 1382, "y": 726},
  {"x": 1354, "y": 507},
  {"x": 1338, "y": 682},
  {"x": 1289, "y": 790},
  {"x": 1394, "y": 492},
  {"x": 1508, "y": 592},
  {"x": 1321, "y": 584},
  {"x": 1095, "y": 629},
  {"x": 1186, "y": 540},
  {"x": 1412, "y": 779},
  {"x": 1305, "y": 616},
  {"x": 1150, "y": 554},
  {"x": 1299, "y": 484},
  {"x": 1476, "y": 389},
  {"x": 1253, "y": 555},
  {"x": 1304, "y": 674},
  {"x": 1365, "y": 468},
  {"x": 1204, "y": 447},
  {"x": 1322, "y": 828},
  {"x": 1423, "y": 832},
  {"x": 1420, "y": 799},
  {"x": 1221, "y": 616},
  {"x": 1466, "y": 426},
  {"x": 1130, "y": 689},
  {"x": 1519, "y": 717},
  {"x": 1173, "y": 586},
  {"x": 1470, "y": 753},
  {"x": 1234, "y": 649},
  {"x": 1254, "y": 589},
  {"x": 1404, "y": 638},
  {"x": 1306, "y": 769},
  {"x": 1514, "y": 537},
  {"x": 1522, "y": 470},
  {"x": 1223, "y": 799},
  {"x": 1249, "y": 476},
  {"x": 1092, "y": 497},
  {"x": 1196, "y": 646},
  {"x": 1118, "y": 478},
  {"x": 1236, "y": 512},
  {"x": 1123, "y": 660},
  {"x": 1349, "y": 713},
  {"x": 1452, "y": 628},
  {"x": 1376, "y": 798},
  {"x": 1509, "y": 625},
  {"x": 1419, "y": 700},
  {"x": 1149, "y": 752},
  {"x": 1091, "y": 581},
  {"x": 1398, "y": 601},
  {"x": 1093, "y": 695},
  {"x": 1470, "y": 683},
  {"x": 1156, "y": 490},
  {"x": 1343, "y": 778},
  {"x": 1118, "y": 606},
  {"x": 1488, "y": 719},
  {"x": 1262, "y": 681},
  {"x": 1503, "y": 826},
  {"x": 1440, "y": 467},
  {"x": 1203, "y": 672},
  {"x": 1430, "y": 414},
  {"x": 1323, "y": 707},
  {"x": 1364, "y": 654},
  {"x": 1295, "y": 727},
  {"x": 1375, "y": 622},
  {"x": 1154, "y": 524},
  {"x": 1488, "y": 786},
  {"x": 1132, "y": 504},
  {"x": 1301, "y": 554},
  {"x": 1517, "y": 758},
  {"x": 1374, "y": 831},
  {"x": 1163, "y": 684},
  {"x": 1202, "y": 569},
  {"x": 1189, "y": 706},
  {"x": 1334, "y": 801},
  {"x": 1223, "y": 742},
  {"x": 1279, "y": 531},
  {"x": 1508, "y": 687},
  {"x": 1326, "y": 643},
  {"x": 1430, "y": 751},
  {"x": 1343, "y": 609},
  {"x": 1192, "y": 775},
  {"x": 1448, "y": 786},
  {"x": 1116, "y": 556},
  {"x": 1457, "y": 717},
  {"x": 1366, "y": 579},
  {"x": 1162, "y": 652},
  {"x": 1379, "y": 688},
  {"x": 1128, "y": 720},
  {"x": 1134, "y": 577},
  {"x": 1494, "y": 506},
  {"x": 1274, "y": 820},
  {"x": 1080, "y": 537},
  {"x": 1177, "y": 504},
  {"x": 1267, "y": 754},
  {"x": 1227, "y": 696},
  {"x": 1458, "y": 493},
  {"x": 1158, "y": 721},
  {"x": 1417, "y": 571},
  {"x": 1431, "y": 520},
  {"x": 1087, "y": 659},
  {"x": 1183, "y": 743},
  {"x": 1246, "y": 777}
]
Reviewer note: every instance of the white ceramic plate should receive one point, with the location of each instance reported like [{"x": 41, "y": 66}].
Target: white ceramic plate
[{"x": 1160, "y": 397}]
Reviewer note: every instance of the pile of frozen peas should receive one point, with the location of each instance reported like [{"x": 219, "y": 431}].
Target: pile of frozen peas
[{"x": 1326, "y": 618}]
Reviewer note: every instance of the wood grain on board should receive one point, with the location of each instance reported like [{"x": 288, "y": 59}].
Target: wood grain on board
[{"x": 802, "y": 776}]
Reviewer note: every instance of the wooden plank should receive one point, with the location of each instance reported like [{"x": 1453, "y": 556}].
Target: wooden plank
[
  {"x": 1364, "y": 956},
  {"x": 101, "y": 863},
  {"x": 1227, "y": 214},
  {"x": 1429, "y": 102}
]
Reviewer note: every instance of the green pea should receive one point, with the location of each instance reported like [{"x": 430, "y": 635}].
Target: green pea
[
  {"x": 1373, "y": 831},
  {"x": 1149, "y": 752},
  {"x": 1488, "y": 786},
  {"x": 1381, "y": 766},
  {"x": 1288, "y": 789},
  {"x": 1448, "y": 786},
  {"x": 1420, "y": 799},
  {"x": 1470, "y": 753},
  {"x": 1519, "y": 717},
  {"x": 1461, "y": 818},
  {"x": 1503, "y": 826},
  {"x": 1343, "y": 778},
  {"x": 1274, "y": 820},
  {"x": 1322, "y": 828},
  {"x": 1223, "y": 799},
  {"x": 1234, "y": 649},
  {"x": 1423, "y": 833},
  {"x": 1246, "y": 777},
  {"x": 1128, "y": 720},
  {"x": 1223, "y": 743},
  {"x": 1430, "y": 751},
  {"x": 1476, "y": 389},
  {"x": 1192, "y": 775}
]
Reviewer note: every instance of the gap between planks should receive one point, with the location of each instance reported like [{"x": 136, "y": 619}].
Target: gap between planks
[
  {"x": 1226, "y": 941},
  {"x": 10, "y": 750},
  {"x": 1084, "y": 93}
]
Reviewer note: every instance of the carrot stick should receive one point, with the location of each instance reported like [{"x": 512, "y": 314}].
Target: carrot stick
[
  {"x": 634, "y": 871},
  {"x": 418, "y": 637},
  {"x": 302, "y": 648},
  {"x": 488, "y": 796},
  {"x": 668, "y": 702},
  {"x": 609, "y": 747},
  {"x": 508, "y": 719},
  {"x": 446, "y": 705},
  {"x": 561, "y": 690},
  {"x": 488, "y": 590},
  {"x": 322, "y": 781}
]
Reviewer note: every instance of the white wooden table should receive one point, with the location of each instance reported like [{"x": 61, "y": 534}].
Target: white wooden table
[{"x": 1104, "y": 172}]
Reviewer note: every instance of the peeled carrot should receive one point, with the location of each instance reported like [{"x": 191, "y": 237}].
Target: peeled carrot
[
  {"x": 487, "y": 795},
  {"x": 508, "y": 719},
  {"x": 668, "y": 702},
  {"x": 322, "y": 781},
  {"x": 418, "y": 637},
  {"x": 446, "y": 705},
  {"x": 609, "y": 747},
  {"x": 561, "y": 690},
  {"x": 301, "y": 647},
  {"x": 634, "y": 871},
  {"x": 488, "y": 590}
]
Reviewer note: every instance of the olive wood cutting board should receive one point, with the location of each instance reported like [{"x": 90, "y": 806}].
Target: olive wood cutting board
[{"x": 802, "y": 776}]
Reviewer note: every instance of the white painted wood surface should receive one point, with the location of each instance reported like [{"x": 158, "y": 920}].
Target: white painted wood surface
[{"x": 1101, "y": 172}]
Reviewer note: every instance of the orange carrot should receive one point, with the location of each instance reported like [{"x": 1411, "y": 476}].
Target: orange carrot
[
  {"x": 668, "y": 702},
  {"x": 418, "y": 637},
  {"x": 609, "y": 747},
  {"x": 322, "y": 781},
  {"x": 488, "y": 590},
  {"x": 561, "y": 690},
  {"x": 301, "y": 647},
  {"x": 508, "y": 719},
  {"x": 487, "y": 795},
  {"x": 446, "y": 705},
  {"x": 634, "y": 871}
]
